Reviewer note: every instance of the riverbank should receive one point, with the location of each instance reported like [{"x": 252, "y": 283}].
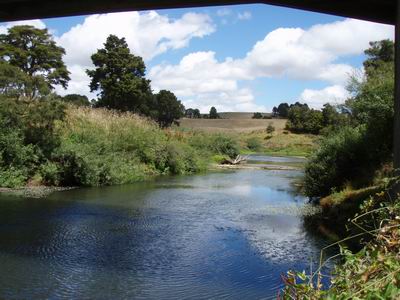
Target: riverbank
[
  {"x": 51, "y": 144},
  {"x": 368, "y": 221},
  {"x": 33, "y": 191},
  {"x": 82, "y": 146}
]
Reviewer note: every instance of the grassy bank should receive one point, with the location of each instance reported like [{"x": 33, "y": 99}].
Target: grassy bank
[
  {"x": 279, "y": 144},
  {"x": 370, "y": 217},
  {"x": 92, "y": 147}
]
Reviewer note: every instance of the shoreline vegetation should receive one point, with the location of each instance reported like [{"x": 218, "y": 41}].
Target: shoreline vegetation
[
  {"x": 351, "y": 176},
  {"x": 96, "y": 146}
]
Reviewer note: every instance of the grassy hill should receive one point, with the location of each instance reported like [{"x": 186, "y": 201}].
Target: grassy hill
[{"x": 236, "y": 124}]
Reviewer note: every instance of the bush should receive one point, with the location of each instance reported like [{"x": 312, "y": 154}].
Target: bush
[
  {"x": 253, "y": 144},
  {"x": 214, "y": 143},
  {"x": 270, "y": 128},
  {"x": 225, "y": 145},
  {"x": 50, "y": 173},
  {"x": 342, "y": 158},
  {"x": 301, "y": 119},
  {"x": 12, "y": 177},
  {"x": 257, "y": 115}
]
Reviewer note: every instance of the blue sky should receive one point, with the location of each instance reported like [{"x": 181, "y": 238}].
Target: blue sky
[{"x": 237, "y": 58}]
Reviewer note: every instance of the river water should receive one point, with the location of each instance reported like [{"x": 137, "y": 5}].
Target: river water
[{"x": 221, "y": 235}]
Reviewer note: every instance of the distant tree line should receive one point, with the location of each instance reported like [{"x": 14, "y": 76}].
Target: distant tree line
[
  {"x": 303, "y": 119},
  {"x": 258, "y": 115},
  {"x": 192, "y": 113}
]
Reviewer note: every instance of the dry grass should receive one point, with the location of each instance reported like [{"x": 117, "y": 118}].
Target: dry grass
[
  {"x": 233, "y": 125},
  {"x": 106, "y": 119},
  {"x": 348, "y": 197}
]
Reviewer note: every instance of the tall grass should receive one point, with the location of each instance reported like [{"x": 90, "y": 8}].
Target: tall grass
[{"x": 101, "y": 147}]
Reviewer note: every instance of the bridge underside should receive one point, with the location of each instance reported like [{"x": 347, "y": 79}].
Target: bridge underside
[{"x": 382, "y": 11}]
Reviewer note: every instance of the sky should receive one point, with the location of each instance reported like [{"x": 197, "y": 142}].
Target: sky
[{"x": 236, "y": 58}]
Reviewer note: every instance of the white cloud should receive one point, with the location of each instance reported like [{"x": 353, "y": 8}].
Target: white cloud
[
  {"x": 201, "y": 81},
  {"x": 147, "y": 34},
  {"x": 335, "y": 94},
  {"x": 37, "y": 23},
  {"x": 285, "y": 52},
  {"x": 311, "y": 54},
  {"x": 246, "y": 15},
  {"x": 223, "y": 12},
  {"x": 79, "y": 83}
]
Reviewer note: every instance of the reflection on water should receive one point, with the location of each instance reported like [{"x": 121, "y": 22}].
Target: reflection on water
[{"x": 225, "y": 235}]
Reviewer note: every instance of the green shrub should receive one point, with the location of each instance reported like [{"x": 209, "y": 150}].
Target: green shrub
[
  {"x": 342, "y": 158},
  {"x": 270, "y": 128},
  {"x": 214, "y": 143},
  {"x": 253, "y": 144},
  {"x": 50, "y": 173},
  {"x": 225, "y": 145},
  {"x": 12, "y": 177}
]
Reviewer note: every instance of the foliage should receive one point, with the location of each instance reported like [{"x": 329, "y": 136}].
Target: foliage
[
  {"x": 363, "y": 140},
  {"x": 119, "y": 78},
  {"x": 373, "y": 106},
  {"x": 76, "y": 99},
  {"x": 257, "y": 115},
  {"x": 283, "y": 110},
  {"x": 167, "y": 109},
  {"x": 301, "y": 119},
  {"x": 275, "y": 111},
  {"x": 254, "y": 144},
  {"x": 270, "y": 128},
  {"x": 28, "y": 137},
  {"x": 215, "y": 143},
  {"x": 192, "y": 113},
  {"x": 30, "y": 62},
  {"x": 379, "y": 52},
  {"x": 341, "y": 158},
  {"x": 213, "y": 113},
  {"x": 371, "y": 273}
]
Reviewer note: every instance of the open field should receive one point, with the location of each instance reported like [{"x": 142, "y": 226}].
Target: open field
[
  {"x": 239, "y": 115},
  {"x": 233, "y": 125}
]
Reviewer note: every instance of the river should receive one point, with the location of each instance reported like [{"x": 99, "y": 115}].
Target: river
[{"x": 220, "y": 235}]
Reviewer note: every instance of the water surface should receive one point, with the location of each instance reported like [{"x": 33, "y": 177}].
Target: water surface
[{"x": 223, "y": 235}]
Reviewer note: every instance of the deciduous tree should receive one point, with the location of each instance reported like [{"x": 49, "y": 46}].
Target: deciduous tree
[
  {"x": 31, "y": 63},
  {"x": 213, "y": 113},
  {"x": 168, "y": 109}
]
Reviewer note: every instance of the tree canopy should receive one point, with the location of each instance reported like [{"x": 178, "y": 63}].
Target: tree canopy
[
  {"x": 213, "y": 113},
  {"x": 119, "y": 77},
  {"x": 192, "y": 113},
  {"x": 76, "y": 99},
  {"x": 379, "y": 52},
  {"x": 257, "y": 115},
  {"x": 168, "y": 108},
  {"x": 283, "y": 110},
  {"x": 31, "y": 63}
]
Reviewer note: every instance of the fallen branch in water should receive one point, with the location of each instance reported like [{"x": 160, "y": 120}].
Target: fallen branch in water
[{"x": 239, "y": 159}]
